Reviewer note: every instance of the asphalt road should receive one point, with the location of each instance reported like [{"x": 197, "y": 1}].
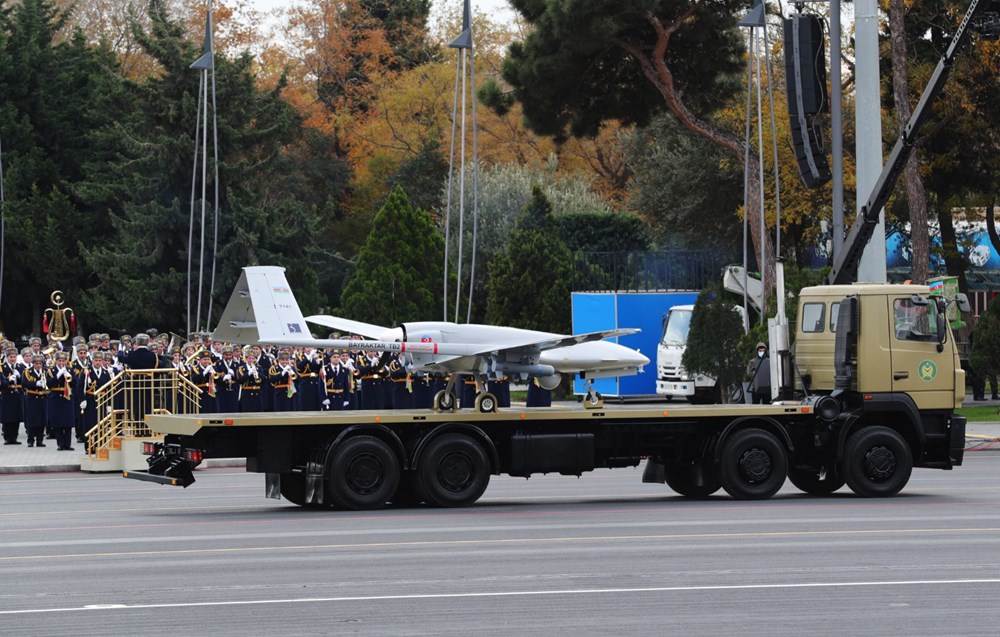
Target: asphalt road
[{"x": 99, "y": 555}]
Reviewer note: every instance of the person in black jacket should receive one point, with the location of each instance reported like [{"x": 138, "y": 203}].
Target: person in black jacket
[
  {"x": 141, "y": 386},
  {"x": 759, "y": 371},
  {"x": 141, "y": 357}
]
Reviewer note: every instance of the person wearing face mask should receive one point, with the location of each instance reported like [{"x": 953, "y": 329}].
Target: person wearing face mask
[{"x": 759, "y": 372}]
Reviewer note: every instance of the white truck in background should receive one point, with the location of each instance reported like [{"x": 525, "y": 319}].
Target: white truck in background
[{"x": 672, "y": 380}]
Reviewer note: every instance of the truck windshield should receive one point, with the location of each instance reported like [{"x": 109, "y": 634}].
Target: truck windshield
[
  {"x": 915, "y": 322},
  {"x": 675, "y": 327}
]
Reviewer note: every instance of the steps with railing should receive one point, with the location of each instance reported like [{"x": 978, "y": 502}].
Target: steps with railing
[{"x": 114, "y": 444}]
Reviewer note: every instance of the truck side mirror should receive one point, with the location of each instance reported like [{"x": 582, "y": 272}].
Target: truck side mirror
[
  {"x": 962, "y": 301},
  {"x": 942, "y": 329}
]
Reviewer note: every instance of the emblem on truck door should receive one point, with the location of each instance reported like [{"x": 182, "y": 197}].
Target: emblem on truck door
[{"x": 927, "y": 370}]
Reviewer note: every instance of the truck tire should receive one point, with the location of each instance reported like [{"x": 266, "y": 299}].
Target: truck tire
[
  {"x": 453, "y": 471},
  {"x": 877, "y": 462},
  {"x": 753, "y": 465},
  {"x": 807, "y": 481},
  {"x": 363, "y": 473},
  {"x": 684, "y": 480}
]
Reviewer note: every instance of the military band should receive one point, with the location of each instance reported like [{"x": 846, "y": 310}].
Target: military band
[{"x": 54, "y": 390}]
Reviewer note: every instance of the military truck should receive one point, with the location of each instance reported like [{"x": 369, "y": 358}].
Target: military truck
[
  {"x": 878, "y": 387},
  {"x": 868, "y": 393}
]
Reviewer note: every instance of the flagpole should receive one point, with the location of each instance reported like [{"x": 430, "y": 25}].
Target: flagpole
[
  {"x": 215, "y": 153},
  {"x": 206, "y": 64}
]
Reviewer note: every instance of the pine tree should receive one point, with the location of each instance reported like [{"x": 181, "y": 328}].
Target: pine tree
[
  {"x": 55, "y": 91},
  {"x": 146, "y": 187},
  {"x": 530, "y": 281},
  {"x": 713, "y": 345},
  {"x": 399, "y": 269}
]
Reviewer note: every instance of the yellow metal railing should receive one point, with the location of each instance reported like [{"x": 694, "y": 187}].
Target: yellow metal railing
[{"x": 122, "y": 405}]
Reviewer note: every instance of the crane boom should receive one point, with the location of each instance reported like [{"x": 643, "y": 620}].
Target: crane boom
[{"x": 845, "y": 264}]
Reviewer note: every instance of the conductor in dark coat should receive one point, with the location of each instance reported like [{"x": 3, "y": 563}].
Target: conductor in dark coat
[
  {"x": 141, "y": 357},
  {"x": 141, "y": 386}
]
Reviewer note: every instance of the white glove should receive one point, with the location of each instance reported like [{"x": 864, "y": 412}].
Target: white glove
[
  {"x": 62, "y": 373},
  {"x": 285, "y": 371},
  {"x": 347, "y": 403},
  {"x": 228, "y": 376},
  {"x": 326, "y": 402},
  {"x": 83, "y": 404},
  {"x": 12, "y": 378}
]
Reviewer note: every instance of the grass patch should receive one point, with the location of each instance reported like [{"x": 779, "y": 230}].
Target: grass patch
[
  {"x": 518, "y": 396},
  {"x": 984, "y": 413}
]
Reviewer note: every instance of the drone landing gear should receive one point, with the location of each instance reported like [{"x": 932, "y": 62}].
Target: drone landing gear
[
  {"x": 445, "y": 399},
  {"x": 486, "y": 403},
  {"x": 593, "y": 399}
]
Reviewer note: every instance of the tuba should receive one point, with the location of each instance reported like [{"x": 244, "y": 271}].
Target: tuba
[{"x": 58, "y": 322}]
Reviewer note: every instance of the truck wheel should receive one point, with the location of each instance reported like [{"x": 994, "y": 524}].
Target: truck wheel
[
  {"x": 453, "y": 471},
  {"x": 684, "y": 480},
  {"x": 807, "y": 481},
  {"x": 293, "y": 488},
  {"x": 363, "y": 473},
  {"x": 753, "y": 465},
  {"x": 877, "y": 462}
]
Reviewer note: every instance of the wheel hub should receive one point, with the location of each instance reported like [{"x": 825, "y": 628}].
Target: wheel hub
[
  {"x": 364, "y": 474},
  {"x": 755, "y": 465},
  {"x": 880, "y": 463},
  {"x": 455, "y": 472}
]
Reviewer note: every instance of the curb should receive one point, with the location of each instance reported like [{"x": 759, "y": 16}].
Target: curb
[{"x": 39, "y": 468}]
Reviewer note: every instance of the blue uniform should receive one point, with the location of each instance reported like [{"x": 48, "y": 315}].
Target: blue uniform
[
  {"x": 205, "y": 380},
  {"x": 372, "y": 393},
  {"x": 87, "y": 387},
  {"x": 36, "y": 405},
  {"x": 227, "y": 395},
  {"x": 337, "y": 384},
  {"x": 61, "y": 412},
  {"x": 283, "y": 385},
  {"x": 310, "y": 391},
  {"x": 12, "y": 406},
  {"x": 402, "y": 386},
  {"x": 251, "y": 390}
]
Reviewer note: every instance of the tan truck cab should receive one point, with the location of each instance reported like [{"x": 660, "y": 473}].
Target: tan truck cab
[{"x": 902, "y": 344}]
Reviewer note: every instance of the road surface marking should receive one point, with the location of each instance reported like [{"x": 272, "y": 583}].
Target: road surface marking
[{"x": 556, "y": 592}]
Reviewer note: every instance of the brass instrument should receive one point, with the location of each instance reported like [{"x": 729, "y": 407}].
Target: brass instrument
[{"x": 59, "y": 321}]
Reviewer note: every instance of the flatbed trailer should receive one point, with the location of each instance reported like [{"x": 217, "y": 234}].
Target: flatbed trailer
[
  {"x": 366, "y": 459},
  {"x": 876, "y": 370}
]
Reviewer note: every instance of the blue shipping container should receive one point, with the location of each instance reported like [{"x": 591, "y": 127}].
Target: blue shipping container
[{"x": 596, "y": 311}]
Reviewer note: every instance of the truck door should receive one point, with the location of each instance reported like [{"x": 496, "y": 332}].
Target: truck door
[{"x": 917, "y": 367}]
